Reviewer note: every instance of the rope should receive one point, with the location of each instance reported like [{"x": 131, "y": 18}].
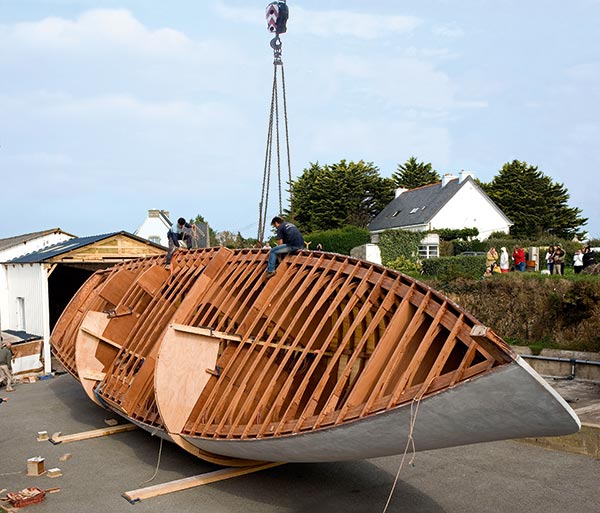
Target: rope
[
  {"x": 410, "y": 442},
  {"x": 157, "y": 465}
]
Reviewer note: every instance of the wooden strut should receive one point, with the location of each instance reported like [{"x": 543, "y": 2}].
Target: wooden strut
[
  {"x": 141, "y": 494},
  {"x": 57, "y": 438}
]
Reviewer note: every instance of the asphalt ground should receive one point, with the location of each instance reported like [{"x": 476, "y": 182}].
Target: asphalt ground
[{"x": 500, "y": 477}]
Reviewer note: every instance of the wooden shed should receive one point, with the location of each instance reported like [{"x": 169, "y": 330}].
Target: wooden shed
[{"x": 41, "y": 284}]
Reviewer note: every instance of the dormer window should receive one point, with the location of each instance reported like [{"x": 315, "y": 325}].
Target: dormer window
[
  {"x": 396, "y": 213},
  {"x": 414, "y": 210}
]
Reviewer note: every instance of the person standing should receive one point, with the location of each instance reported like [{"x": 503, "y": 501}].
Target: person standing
[
  {"x": 578, "y": 261},
  {"x": 289, "y": 239},
  {"x": 519, "y": 258},
  {"x": 6, "y": 356},
  {"x": 588, "y": 257},
  {"x": 179, "y": 236},
  {"x": 550, "y": 259},
  {"x": 559, "y": 260},
  {"x": 491, "y": 257},
  {"x": 504, "y": 261}
]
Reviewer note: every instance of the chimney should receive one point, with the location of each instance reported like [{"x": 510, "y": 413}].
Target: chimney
[
  {"x": 400, "y": 190},
  {"x": 463, "y": 175},
  {"x": 447, "y": 178}
]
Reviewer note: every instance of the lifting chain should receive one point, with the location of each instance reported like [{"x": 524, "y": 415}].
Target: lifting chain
[{"x": 277, "y": 15}]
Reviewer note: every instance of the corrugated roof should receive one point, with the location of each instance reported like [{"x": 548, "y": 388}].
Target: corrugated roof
[
  {"x": 21, "y": 239},
  {"x": 70, "y": 245}
]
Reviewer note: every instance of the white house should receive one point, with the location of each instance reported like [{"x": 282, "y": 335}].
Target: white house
[
  {"x": 155, "y": 227},
  {"x": 455, "y": 202},
  {"x": 157, "y": 224}
]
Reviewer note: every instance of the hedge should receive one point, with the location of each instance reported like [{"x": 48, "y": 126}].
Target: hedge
[
  {"x": 450, "y": 268},
  {"x": 340, "y": 240}
]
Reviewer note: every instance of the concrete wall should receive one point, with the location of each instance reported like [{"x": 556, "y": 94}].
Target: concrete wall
[
  {"x": 563, "y": 369},
  {"x": 369, "y": 252}
]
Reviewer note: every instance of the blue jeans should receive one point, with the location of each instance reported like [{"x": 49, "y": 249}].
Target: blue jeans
[{"x": 278, "y": 250}]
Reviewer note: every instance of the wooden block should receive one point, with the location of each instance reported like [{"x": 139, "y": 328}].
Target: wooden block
[
  {"x": 65, "y": 457},
  {"x": 111, "y": 422},
  {"x": 54, "y": 472},
  {"x": 42, "y": 435},
  {"x": 35, "y": 466}
]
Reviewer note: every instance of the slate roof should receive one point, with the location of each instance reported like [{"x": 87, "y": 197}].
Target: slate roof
[
  {"x": 20, "y": 239},
  {"x": 70, "y": 245},
  {"x": 419, "y": 206}
]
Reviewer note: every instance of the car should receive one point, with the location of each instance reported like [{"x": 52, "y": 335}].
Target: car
[{"x": 473, "y": 253}]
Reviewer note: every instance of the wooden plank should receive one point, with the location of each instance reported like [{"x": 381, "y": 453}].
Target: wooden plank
[
  {"x": 57, "y": 438},
  {"x": 186, "y": 483}
]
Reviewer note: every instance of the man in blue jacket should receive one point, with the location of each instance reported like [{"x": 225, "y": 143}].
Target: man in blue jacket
[
  {"x": 289, "y": 239},
  {"x": 180, "y": 236}
]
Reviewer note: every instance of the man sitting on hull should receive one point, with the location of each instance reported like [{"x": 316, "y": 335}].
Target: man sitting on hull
[{"x": 289, "y": 239}]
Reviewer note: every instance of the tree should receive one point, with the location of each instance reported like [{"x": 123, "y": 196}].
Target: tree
[
  {"x": 413, "y": 174},
  {"x": 337, "y": 195},
  {"x": 533, "y": 202}
]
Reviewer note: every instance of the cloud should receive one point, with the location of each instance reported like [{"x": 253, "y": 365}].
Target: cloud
[
  {"x": 98, "y": 30},
  {"x": 449, "y": 30},
  {"x": 330, "y": 23}
]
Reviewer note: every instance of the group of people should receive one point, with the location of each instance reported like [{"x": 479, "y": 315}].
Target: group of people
[
  {"x": 583, "y": 258},
  {"x": 555, "y": 259},
  {"x": 502, "y": 263},
  {"x": 495, "y": 263}
]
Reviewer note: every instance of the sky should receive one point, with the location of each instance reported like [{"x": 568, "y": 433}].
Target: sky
[{"x": 109, "y": 108}]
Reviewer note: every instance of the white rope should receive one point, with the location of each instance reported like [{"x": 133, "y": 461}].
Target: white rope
[
  {"x": 157, "y": 465},
  {"x": 410, "y": 442}
]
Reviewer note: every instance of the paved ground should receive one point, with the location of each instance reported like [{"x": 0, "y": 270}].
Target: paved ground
[{"x": 502, "y": 477}]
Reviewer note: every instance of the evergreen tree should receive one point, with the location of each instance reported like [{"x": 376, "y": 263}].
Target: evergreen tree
[
  {"x": 343, "y": 194},
  {"x": 413, "y": 174},
  {"x": 533, "y": 202}
]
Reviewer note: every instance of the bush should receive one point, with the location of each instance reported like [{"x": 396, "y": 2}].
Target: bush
[
  {"x": 406, "y": 266},
  {"x": 447, "y": 269},
  {"x": 341, "y": 240},
  {"x": 395, "y": 244}
]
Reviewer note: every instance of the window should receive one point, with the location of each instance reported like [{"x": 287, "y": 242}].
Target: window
[
  {"x": 154, "y": 238},
  {"x": 414, "y": 210},
  {"x": 21, "y": 326},
  {"x": 428, "y": 251}
]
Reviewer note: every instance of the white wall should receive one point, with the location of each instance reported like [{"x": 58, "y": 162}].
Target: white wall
[
  {"x": 154, "y": 227},
  {"x": 469, "y": 208},
  {"x": 17, "y": 251},
  {"x": 369, "y": 252},
  {"x": 29, "y": 282},
  {"x": 24, "y": 280}
]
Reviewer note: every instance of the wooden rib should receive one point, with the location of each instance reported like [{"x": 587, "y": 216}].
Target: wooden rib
[
  {"x": 335, "y": 395},
  {"x": 252, "y": 358},
  {"x": 417, "y": 359},
  {"x": 349, "y": 287},
  {"x": 381, "y": 355},
  {"x": 399, "y": 350},
  {"x": 308, "y": 291}
]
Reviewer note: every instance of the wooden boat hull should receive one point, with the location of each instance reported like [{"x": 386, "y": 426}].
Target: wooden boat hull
[
  {"x": 511, "y": 402},
  {"x": 332, "y": 359}
]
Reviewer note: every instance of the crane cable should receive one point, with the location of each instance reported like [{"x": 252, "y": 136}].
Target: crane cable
[{"x": 277, "y": 15}]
